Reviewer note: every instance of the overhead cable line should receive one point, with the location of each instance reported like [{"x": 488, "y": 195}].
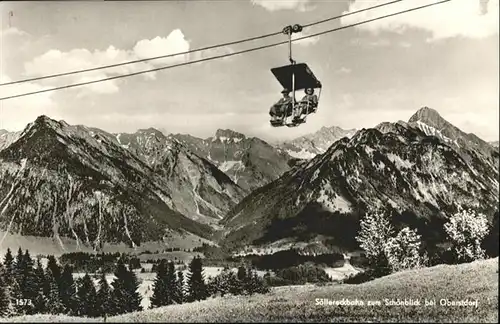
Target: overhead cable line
[
  {"x": 225, "y": 55},
  {"x": 193, "y": 50},
  {"x": 350, "y": 13}
]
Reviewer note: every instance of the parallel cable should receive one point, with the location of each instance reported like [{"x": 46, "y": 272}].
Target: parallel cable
[
  {"x": 190, "y": 51},
  {"x": 226, "y": 55},
  {"x": 350, "y": 13}
]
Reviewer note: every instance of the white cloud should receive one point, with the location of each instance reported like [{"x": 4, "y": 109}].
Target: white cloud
[
  {"x": 275, "y": 5},
  {"x": 344, "y": 70},
  {"x": 30, "y": 106},
  {"x": 467, "y": 18},
  {"x": 106, "y": 87},
  {"x": 12, "y": 31},
  {"x": 55, "y": 61},
  {"x": 175, "y": 42},
  {"x": 379, "y": 42}
]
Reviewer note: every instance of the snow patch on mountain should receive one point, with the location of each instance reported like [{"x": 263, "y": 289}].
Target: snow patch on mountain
[
  {"x": 399, "y": 162},
  {"x": 429, "y": 130},
  {"x": 302, "y": 154},
  {"x": 228, "y": 165}
]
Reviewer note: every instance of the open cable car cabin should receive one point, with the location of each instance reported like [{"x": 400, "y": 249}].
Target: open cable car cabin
[{"x": 293, "y": 77}]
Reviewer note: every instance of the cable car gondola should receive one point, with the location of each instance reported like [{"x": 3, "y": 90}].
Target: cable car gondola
[{"x": 295, "y": 76}]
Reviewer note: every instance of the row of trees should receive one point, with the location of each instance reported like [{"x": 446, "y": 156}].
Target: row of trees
[
  {"x": 388, "y": 251},
  {"x": 29, "y": 289},
  {"x": 26, "y": 288},
  {"x": 169, "y": 287},
  {"x": 92, "y": 262},
  {"x": 245, "y": 282}
]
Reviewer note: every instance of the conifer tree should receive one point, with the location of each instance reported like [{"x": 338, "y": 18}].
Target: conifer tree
[
  {"x": 255, "y": 284},
  {"x": 14, "y": 294},
  {"x": 125, "y": 296},
  {"x": 242, "y": 273},
  {"x": 53, "y": 299},
  {"x": 67, "y": 289},
  {"x": 242, "y": 277},
  {"x": 119, "y": 296},
  {"x": 135, "y": 298},
  {"x": 227, "y": 283},
  {"x": 19, "y": 266},
  {"x": 180, "y": 287},
  {"x": 8, "y": 263},
  {"x": 87, "y": 297},
  {"x": 197, "y": 289},
  {"x": 104, "y": 305},
  {"x": 54, "y": 268},
  {"x": 171, "y": 284},
  {"x": 28, "y": 283},
  {"x": 4, "y": 298},
  {"x": 249, "y": 283},
  {"x": 41, "y": 283},
  {"x": 159, "y": 288}
]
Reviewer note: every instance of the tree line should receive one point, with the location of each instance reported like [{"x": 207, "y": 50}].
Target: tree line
[
  {"x": 27, "y": 287},
  {"x": 93, "y": 262}
]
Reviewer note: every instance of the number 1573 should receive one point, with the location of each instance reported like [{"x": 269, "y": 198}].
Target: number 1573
[{"x": 24, "y": 302}]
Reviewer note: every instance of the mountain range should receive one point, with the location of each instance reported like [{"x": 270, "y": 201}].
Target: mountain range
[
  {"x": 421, "y": 171},
  {"x": 249, "y": 161},
  {"x": 60, "y": 180},
  {"x": 310, "y": 145}
]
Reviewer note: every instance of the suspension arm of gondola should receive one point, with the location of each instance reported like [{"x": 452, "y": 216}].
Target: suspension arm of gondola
[{"x": 289, "y": 30}]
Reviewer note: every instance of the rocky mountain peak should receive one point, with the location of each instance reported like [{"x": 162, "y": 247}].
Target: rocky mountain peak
[
  {"x": 227, "y": 134},
  {"x": 432, "y": 124},
  {"x": 44, "y": 121},
  {"x": 420, "y": 179},
  {"x": 428, "y": 116},
  {"x": 308, "y": 146},
  {"x": 387, "y": 127},
  {"x": 151, "y": 131}
]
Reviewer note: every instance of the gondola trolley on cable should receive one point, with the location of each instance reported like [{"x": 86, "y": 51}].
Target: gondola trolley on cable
[{"x": 293, "y": 77}]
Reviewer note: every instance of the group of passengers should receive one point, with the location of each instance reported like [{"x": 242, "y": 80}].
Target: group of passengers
[{"x": 307, "y": 105}]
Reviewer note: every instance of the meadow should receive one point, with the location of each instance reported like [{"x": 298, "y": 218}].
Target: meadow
[{"x": 474, "y": 281}]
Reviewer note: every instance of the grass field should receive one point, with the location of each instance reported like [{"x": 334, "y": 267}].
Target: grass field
[{"x": 473, "y": 281}]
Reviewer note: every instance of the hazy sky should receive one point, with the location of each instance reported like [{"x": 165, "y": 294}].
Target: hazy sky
[{"x": 444, "y": 57}]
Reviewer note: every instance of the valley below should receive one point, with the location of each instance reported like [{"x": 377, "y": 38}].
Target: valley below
[{"x": 288, "y": 210}]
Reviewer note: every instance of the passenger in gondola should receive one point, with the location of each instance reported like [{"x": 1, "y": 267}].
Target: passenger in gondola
[
  {"x": 308, "y": 103},
  {"x": 284, "y": 105}
]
